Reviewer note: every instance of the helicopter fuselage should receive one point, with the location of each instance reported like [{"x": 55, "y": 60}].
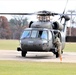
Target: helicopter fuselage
[{"x": 39, "y": 39}]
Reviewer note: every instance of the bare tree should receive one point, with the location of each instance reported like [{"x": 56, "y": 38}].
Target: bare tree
[
  {"x": 5, "y": 31},
  {"x": 18, "y": 23}
]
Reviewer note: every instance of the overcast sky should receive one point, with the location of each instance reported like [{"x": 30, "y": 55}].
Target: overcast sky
[
  {"x": 35, "y": 5},
  {"x": 23, "y": 6}
]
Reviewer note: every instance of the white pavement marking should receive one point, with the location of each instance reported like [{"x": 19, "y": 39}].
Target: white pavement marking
[{"x": 69, "y": 57}]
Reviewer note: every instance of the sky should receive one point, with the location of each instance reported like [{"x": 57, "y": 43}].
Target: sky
[
  {"x": 36, "y": 5},
  {"x": 23, "y": 6}
]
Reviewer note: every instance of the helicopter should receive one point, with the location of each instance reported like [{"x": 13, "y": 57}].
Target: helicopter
[{"x": 40, "y": 35}]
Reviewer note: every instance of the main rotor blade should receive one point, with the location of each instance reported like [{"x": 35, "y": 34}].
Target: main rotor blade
[
  {"x": 16, "y": 13},
  {"x": 67, "y": 14},
  {"x": 36, "y": 13}
]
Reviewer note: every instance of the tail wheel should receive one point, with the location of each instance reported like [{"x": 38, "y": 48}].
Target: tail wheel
[{"x": 23, "y": 53}]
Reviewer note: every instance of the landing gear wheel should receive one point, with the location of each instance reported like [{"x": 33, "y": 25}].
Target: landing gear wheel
[
  {"x": 57, "y": 55},
  {"x": 23, "y": 53}
]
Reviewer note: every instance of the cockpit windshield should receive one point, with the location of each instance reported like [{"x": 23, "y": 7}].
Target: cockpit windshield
[
  {"x": 42, "y": 34},
  {"x": 34, "y": 33},
  {"x": 26, "y": 34}
]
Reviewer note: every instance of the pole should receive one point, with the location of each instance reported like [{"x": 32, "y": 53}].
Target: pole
[{"x": 71, "y": 11}]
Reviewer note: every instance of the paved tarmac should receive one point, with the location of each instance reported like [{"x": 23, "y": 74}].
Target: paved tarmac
[{"x": 68, "y": 57}]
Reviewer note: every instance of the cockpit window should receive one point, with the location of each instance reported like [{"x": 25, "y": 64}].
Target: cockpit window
[
  {"x": 42, "y": 34},
  {"x": 26, "y": 34},
  {"x": 34, "y": 33}
]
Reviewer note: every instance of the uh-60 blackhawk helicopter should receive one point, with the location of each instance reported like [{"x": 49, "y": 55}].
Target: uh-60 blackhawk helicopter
[{"x": 41, "y": 34}]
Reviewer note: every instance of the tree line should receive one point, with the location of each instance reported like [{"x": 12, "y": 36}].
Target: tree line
[{"x": 13, "y": 28}]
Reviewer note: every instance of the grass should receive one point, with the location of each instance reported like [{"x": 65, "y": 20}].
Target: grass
[
  {"x": 36, "y": 68},
  {"x": 13, "y": 44},
  {"x": 9, "y": 44},
  {"x": 70, "y": 47}
]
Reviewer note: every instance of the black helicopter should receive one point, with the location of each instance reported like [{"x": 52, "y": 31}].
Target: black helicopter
[{"x": 41, "y": 34}]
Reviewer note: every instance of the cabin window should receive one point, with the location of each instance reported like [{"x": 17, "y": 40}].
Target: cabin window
[{"x": 34, "y": 34}]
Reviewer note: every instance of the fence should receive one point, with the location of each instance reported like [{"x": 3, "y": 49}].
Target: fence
[{"x": 70, "y": 38}]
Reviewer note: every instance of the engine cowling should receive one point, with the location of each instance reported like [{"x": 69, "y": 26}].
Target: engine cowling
[
  {"x": 40, "y": 24},
  {"x": 57, "y": 26}
]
